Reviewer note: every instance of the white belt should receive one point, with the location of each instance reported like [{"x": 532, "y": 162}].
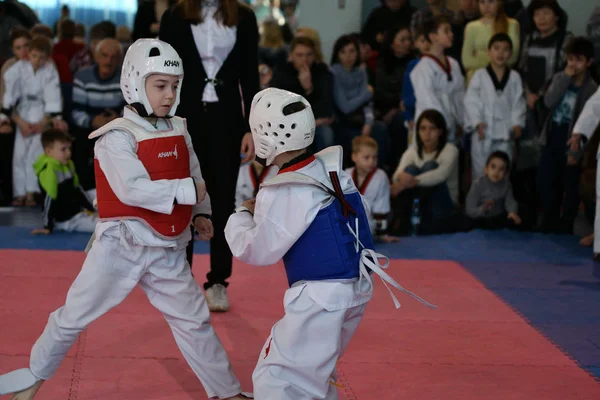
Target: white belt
[{"x": 370, "y": 259}]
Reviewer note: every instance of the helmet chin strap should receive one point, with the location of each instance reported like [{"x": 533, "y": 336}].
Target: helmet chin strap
[
  {"x": 141, "y": 110},
  {"x": 261, "y": 161}
]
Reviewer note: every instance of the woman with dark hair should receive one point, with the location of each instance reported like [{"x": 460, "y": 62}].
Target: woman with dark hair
[
  {"x": 383, "y": 18},
  {"x": 394, "y": 58},
  {"x": 217, "y": 41},
  {"x": 428, "y": 172},
  {"x": 352, "y": 96}
]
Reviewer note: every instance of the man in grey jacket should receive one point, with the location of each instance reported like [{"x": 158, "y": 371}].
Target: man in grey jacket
[{"x": 560, "y": 163}]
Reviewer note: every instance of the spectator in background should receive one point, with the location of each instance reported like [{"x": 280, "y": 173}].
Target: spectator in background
[
  {"x": 147, "y": 18},
  {"x": 19, "y": 39},
  {"x": 313, "y": 35},
  {"x": 427, "y": 172},
  {"x": 409, "y": 101},
  {"x": 494, "y": 106},
  {"x": 559, "y": 170},
  {"x": 79, "y": 34},
  {"x": 352, "y": 98},
  {"x": 391, "y": 13},
  {"x": 272, "y": 50},
  {"x": 543, "y": 51},
  {"x": 65, "y": 13},
  {"x": 306, "y": 76},
  {"x": 478, "y": 34},
  {"x": 542, "y": 55},
  {"x": 66, "y": 45},
  {"x": 437, "y": 8},
  {"x": 33, "y": 91},
  {"x": 367, "y": 60},
  {"x": 97, "y": 100},
  {"x": 372, "y": 183},
  {"x": 490, "y": 202},
  {"x": 437, "y": 79},
  {"x": 394, "y": 58},
  {"x": 85, "y": 56},
  {"x": 60, "y": 60}
]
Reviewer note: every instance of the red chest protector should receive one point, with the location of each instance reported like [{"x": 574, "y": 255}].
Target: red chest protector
[{"x": 165, "y": 156}]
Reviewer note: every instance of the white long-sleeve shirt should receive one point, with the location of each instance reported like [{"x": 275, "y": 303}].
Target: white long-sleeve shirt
[
  {"x": 214, "y": 42},
  {"x": 131, "y": 183}
]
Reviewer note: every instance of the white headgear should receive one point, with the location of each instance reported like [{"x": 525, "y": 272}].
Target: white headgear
[
  {"x": 280, "y": 121},
  {"x": 143, "y": 58}
]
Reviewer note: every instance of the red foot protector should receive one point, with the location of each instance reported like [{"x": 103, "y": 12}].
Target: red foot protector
[{"x": 17, "y": 381}]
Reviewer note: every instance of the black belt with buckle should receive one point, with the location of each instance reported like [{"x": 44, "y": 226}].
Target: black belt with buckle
[{"x": 216, "y": 82}]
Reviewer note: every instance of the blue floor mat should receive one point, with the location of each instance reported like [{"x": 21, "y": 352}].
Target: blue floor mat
[{"x": 549, "y": 279}]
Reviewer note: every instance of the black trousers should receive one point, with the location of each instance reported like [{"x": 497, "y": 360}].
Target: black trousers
[{"x": 217, "y": 139}]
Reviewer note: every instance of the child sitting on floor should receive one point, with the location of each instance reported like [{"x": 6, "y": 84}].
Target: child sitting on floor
[
  {"x": 490, "y": 202},
  {"x": 66, "y": 206}
]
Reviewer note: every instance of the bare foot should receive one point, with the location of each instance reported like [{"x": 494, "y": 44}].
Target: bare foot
[
  {"x": 587, "y": 241},
  {"x": 27, "y": 394}
]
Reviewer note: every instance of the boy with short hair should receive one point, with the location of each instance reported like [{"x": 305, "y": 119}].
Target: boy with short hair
[
  {"x": 66, "y": 205},
  {"x": 437, "y": 79},
  {"x": 490, "y": 202},
  {"x": 33, "y": 90},
  {"x": 560, "y": 169},
  {"x": 495, "y": 108},
  {"x": 313, "y": 217},
  {"x": 372, "y": 183}
]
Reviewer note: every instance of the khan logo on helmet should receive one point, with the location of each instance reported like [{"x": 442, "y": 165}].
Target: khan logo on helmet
[{"x": 171, "y": 63}]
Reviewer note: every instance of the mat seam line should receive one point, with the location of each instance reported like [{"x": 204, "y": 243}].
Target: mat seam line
[{"x": 77, "y": 365}]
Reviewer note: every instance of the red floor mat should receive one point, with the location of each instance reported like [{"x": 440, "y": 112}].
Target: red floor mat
[{"x": 472, "y": 347}]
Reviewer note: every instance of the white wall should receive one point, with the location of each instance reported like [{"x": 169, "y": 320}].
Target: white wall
[{"x": 329, "y": 20}]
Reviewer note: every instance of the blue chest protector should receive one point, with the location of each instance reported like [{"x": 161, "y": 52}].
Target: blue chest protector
[{"x": 327, "y": 250}]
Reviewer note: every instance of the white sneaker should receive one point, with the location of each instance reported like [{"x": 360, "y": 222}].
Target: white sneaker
[{"x": 216, "y": 297}]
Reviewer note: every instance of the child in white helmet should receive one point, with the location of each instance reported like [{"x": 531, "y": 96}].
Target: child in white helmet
[
  {"x": 149, "y": 190},
  {"x": 312, "y": 216}
]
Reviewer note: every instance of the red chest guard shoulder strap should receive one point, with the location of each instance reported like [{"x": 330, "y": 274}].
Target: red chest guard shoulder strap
[{"x": 165, "y": 155}]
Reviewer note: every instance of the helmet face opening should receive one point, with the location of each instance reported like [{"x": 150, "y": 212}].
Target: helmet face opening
[{"x": 144, "y": 58}]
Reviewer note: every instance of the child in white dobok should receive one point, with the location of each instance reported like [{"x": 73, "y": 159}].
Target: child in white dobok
[
  {"x": 149, "y": 190},
  {"x": 311, "y": 215},
  {"x": 495, "y": 106}
]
